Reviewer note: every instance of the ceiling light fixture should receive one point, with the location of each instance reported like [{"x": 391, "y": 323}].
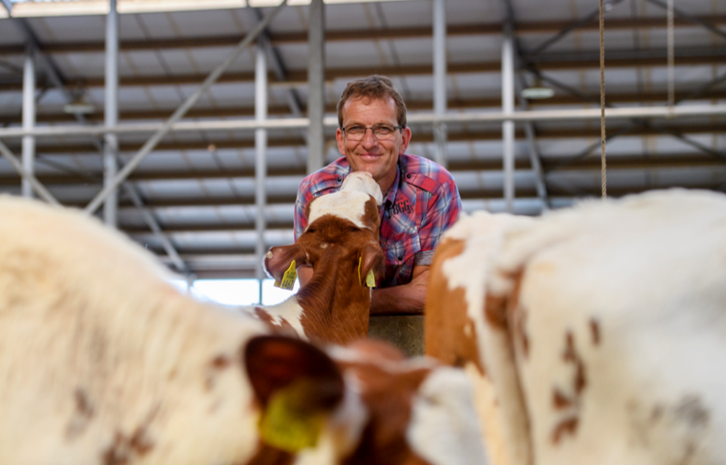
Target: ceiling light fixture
[
  {"x": 79, "y": 106},
  {"x": 537, "y": 91}
]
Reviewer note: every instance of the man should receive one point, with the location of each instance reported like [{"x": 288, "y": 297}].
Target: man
[{"x": 420, "y": 198}]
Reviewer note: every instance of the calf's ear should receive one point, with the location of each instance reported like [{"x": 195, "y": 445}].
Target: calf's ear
[
  {"x": 275, "y": 362},
  {"x": 278, "y": 260},
  {"x": 297, "y": 385},
  {"x": 372, "y": 259}
]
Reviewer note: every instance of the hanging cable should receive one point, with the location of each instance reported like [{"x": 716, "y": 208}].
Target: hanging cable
[
  {"x": 602, "y": 102},
  {"x": 671, "y": 58}
]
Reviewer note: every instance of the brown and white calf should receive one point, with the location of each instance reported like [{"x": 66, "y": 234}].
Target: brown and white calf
[
  {"x": 341, "y": 244},
  {"x": 595, "y": 334},
  {"x": 103, "y": 362}
]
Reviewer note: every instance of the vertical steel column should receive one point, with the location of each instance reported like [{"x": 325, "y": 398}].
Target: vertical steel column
[
  {"x": 316, "y": 85},
  {"x": 28, "y": 151},
  {"x": 260, "y": 158},
  {"x": 508, "y": 108},
  {"x": 439, "y": 21},
  {"x": 110, "y": 148}
]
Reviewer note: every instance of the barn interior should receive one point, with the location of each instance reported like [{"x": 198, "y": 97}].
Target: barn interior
[{"x": 504, "y": 93}]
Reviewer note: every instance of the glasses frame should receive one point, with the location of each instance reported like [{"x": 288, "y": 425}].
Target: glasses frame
[{"x": 345, "y": 133}]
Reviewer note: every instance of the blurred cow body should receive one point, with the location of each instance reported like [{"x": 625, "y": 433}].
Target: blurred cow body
[
  {"x": 341, "y": 244},
  {"x": 103, "y": 362},
  {"x": 596, "y": 334}
]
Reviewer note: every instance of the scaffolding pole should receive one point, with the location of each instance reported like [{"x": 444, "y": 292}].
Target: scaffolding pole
[
  {"x": 28, "y": 148},
  {"x": 316, "y": 85},
  {"x": 260, "y": 160},
  {"x": 439, "y": 34},
  {"x": 110, "y": 148},
  {"x": 508, "y": 108}
]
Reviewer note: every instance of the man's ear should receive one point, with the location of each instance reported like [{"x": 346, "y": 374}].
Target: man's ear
[
  {"x": 274, "y": 363},
  {"x": 278, "y": 260},
  {"x": 372, "y": 259}
]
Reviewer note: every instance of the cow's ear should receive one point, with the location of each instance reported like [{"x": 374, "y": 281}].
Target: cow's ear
[
  {"x": 372, "y": 260},
  {"x": 276, "y": 362},
  {"x": 278, "y": 260},
  {"x": 297, "y": 385}
]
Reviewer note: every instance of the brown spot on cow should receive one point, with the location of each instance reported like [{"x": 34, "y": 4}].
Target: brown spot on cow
[
  {"x": 495, "y": 310},
  {"x": 125, "y": 449},
  {"x": 595, "y": 331},
  {"x": 221, "y": 362},
  {"x": 566, "y": 426},
  {"x": 517, "y": 316},
  {"x": 690, "y": 410},
  {"x": 217, "y": 364},
  {"x": 82, "y": 416},
  {"x": 559, "y": 400},
  {"x": 282, "y": 327},
  {"x": 572, "y": 401},
  {"x": 450, "y": 335}
]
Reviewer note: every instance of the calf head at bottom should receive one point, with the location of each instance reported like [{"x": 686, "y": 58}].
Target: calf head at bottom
[{"x": 364, "y": 404}]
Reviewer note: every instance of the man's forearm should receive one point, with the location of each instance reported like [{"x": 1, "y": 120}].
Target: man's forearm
[
  {"x": 408, "y": 299},
  {"x": 397, "y": 300}
]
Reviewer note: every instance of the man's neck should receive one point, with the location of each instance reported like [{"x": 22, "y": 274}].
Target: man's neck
[{"x": 386, "y": 183}]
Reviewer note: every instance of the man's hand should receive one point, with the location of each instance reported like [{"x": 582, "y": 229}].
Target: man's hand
[{"x": 407, "y": 299}]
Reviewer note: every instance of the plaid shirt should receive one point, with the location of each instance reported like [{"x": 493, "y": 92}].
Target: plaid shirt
[{"x": 422, "y": 203}]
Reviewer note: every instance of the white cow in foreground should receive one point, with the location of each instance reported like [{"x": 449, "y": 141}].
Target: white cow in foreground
[
  {"x": 103, "y": 362},
  {"x": 596, "y": 335}
]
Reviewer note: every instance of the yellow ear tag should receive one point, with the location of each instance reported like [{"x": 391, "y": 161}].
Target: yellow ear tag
[
  {"x": 370, "y": 278},
  {"x": 287, "y": 426},
  {"x": 288, "y": 279}
]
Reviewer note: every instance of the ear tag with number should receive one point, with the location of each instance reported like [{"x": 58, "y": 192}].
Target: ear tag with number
[
  {"x": 370, "y": 278},
  {"x": 288, "y": 279},
  {"x": 287, "y": 425}
]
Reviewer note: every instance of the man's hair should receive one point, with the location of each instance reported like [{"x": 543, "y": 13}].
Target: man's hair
[{"x": 373, "y": 87}]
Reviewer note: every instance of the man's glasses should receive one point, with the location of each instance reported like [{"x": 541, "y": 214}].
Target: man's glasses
[{"x": 356, "y": 132}]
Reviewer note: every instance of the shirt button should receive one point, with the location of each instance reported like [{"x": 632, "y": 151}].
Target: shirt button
[
  {"x": 408, "y": 176},
  {"x": 400, "y": 257},
  {"x": 340, "y": 179}
]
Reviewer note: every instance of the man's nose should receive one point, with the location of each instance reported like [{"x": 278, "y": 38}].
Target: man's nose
[{"x": 369, "y": 140}]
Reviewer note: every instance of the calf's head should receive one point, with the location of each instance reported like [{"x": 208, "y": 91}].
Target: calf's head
[
  {"x": 365, "y": 404},
  {"x": 341, "y": 240}
]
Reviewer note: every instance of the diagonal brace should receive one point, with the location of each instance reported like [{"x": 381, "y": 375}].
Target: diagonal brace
[{"x": 180, "y": 112}]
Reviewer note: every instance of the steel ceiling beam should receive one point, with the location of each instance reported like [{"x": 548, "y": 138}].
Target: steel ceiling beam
[
  {"x": 469, "y": 136},
  {"x": 704, "y": 22},
  {"x": 404, "y": 33},
  {"x": 453, "y": 104},
  {"x": 550, "y": 62},
  {"x": 565, "y": 31},
  {"x": 619, "y": 161}
]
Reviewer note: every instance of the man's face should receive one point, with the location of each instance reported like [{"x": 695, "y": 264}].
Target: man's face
[{"x": 371, "y": 154}]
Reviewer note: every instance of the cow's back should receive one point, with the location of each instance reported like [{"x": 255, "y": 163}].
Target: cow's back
[
  {"x": 101, "y": 358},
  {"x": 621, "y": 348}
]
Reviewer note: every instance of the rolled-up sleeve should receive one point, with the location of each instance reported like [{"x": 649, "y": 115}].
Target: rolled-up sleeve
[{"x": 299, "y": 220}]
